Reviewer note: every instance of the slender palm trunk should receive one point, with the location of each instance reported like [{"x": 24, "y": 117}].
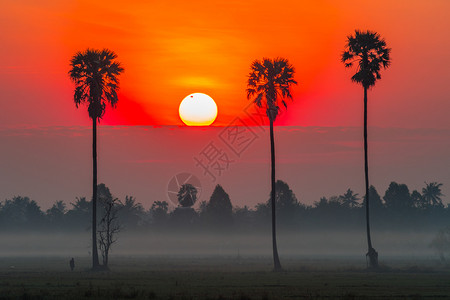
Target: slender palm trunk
[
  {"x": 373, "y": 255},
  {"x": 95, "y": 262},
  {"x": 276, "y": 259}
]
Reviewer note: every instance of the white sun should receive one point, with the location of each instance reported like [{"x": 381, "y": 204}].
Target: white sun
[{"x": 198, "y": 109}]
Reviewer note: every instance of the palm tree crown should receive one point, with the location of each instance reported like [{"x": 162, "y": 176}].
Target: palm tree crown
[
  {"x": 187, "y": 195},
  {"x": 349, "y": 199},
  {"x": 95, "y": 74},
  {"x": 368, "y": 50},
  {"x": 268, "y": 80},
  {"x": 432, "y": 193}
]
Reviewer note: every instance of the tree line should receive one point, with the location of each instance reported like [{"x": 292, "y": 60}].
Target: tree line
[{"x": 398, "y": 208}]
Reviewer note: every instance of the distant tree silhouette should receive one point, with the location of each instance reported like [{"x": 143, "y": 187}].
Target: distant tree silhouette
[
  {"x": 21, "y": 213},
  {"x": 375, "y": 200},
  {"x": 131, "y": 212},
  {"x": 397, "y": 197},
  {"x": 103, "y": 192},
  {"x": 159, "y": 212},
  {"x": 219, "y": 209},
  {"x": 80, "y": 213},
  {"x": 432, "y": 194},
  {"x": 418, "y": 200},
  {"x": 184, "y": 216},
  {"x": 321, "y": 203},
  {"x": 202, "y": 208},
  {"x": 286, "y": 202},
  {"x": 263, "y": 212},
  {"x": 349, "y": 199},
  {"x": 81, "y": 205},
  {"x": 269, "y": 81},
  {"x": 95, "y": 74},
  {"x": 368, "y": 50},
  {"x": 55, "y": 214},
  {"x": 79, "y": 216},
  {"x": 333, "y": 204},
  {"x": 244, "y": 217},
  {"x": 332, "y": 212},
  {"x": 187, "y": 195}
]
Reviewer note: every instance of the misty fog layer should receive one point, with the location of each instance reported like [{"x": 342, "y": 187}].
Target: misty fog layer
[
  {"x": 407, "y": 224},
  {"x": 408, "y": 245}
]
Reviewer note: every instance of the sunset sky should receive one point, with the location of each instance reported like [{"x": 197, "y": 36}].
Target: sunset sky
[
  {"x": 173, "y": 48},
  {"x": 170, "y": 49}
]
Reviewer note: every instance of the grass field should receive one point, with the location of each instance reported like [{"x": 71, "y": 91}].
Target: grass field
[{"x": 176, "y": 277}]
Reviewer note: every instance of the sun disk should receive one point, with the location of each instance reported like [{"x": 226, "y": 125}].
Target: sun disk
[{"x": 198, "y": 109}]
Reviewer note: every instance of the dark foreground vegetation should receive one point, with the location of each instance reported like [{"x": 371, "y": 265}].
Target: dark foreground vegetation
[{"x": 220, "y": 278}]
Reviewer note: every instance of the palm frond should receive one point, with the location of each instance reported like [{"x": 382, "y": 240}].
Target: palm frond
[{"x": 258, "y": 99}]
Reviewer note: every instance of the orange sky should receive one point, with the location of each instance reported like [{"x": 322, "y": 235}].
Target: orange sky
[{"x": 173, "y": 48}]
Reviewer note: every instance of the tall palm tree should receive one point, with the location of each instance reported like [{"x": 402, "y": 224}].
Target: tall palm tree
[
  {"x": 369, "y": 52},
  {"x": 95, "y": 74},
  {"x": 432, "y": 194},
  {"x": 268, "y": 82}
]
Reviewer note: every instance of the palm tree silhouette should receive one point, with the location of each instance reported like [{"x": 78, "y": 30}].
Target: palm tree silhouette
[
  {"x": 369, "y": 52},
  {"x": 432, "y": 194},
  {"x": 95, "y": 74},
  {"x": 349, "y": 199},
  {"x": 269, "y": 81},
  {"x": 187, "y": 195}
]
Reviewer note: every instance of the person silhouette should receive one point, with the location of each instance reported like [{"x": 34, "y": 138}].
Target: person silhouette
[{"x": 72, "y": 264}]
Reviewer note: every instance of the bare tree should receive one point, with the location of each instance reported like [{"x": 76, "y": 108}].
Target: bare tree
[{"x": 109, "y": 226}]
